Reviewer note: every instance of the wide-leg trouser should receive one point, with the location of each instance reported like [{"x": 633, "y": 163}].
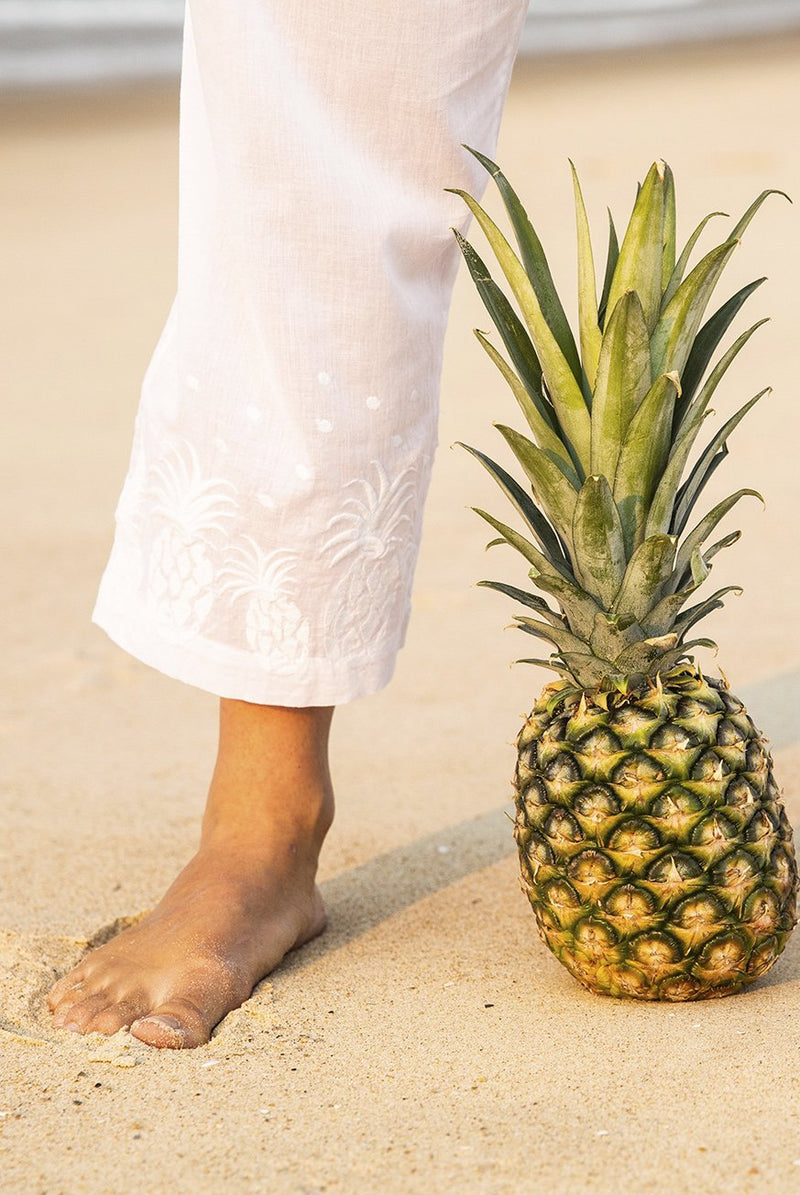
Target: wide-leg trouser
[{"x": 268, "y": 529}]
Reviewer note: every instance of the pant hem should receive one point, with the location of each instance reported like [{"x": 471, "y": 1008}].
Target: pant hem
[{"x": 321, "y": 682}]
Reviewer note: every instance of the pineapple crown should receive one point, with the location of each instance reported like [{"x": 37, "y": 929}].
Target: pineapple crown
[{"x": 612, "y": 427}]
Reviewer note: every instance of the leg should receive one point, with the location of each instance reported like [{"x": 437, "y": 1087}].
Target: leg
[
  {"x": 246, "y": 898},
  {"x": 268, "y": 528}
]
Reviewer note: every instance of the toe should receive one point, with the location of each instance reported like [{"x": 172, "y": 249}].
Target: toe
[
  {"x": 114, "y": 1017},
  {"x": 68, "y": 1000},
  {"x": 65, "y": 987},
  {"x": 78, "y": 1017},
  {"x": 176, "y": 1025}
]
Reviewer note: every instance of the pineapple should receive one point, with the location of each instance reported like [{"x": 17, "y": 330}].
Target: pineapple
[{"x": 654, "y": 847}]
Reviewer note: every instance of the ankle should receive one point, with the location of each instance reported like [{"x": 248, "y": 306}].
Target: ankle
[{"x": 269, "y": 827}]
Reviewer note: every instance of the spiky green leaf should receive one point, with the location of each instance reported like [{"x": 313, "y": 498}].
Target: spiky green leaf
[
  {"x": 642, "y": 250},
  {"x": 668, "y": 229},
  {"x": 643, "y": 456},
  {"x": 564, "y": 390},
  {"x": 522, "y": 545},
  {"x": 509, "y": 325},
  {"x": 683, "y": 261},
  {"x": 713, "y": 455},
  {"x": 648, "y": 570},
  {"x": 590, "y": 334},
  {"x": 699, "y": 534},
  {"x": 612, "y": 257},
  {"x": 531, "y": 600},
  {"x": 580, "y": 609},
  {"x": 560, "y": 637},
  {"x": 693, "y": 615},
  {"x": 708, "y": 338},
  {"x": 554, "y": 493},
  {"x": 677, "y": 326},
  {"x": 535, "y": 263},
  {"x": 623, "y": 379},
  {"x": 537, "y": 523},
  {"x": 599, "y": 545},
  {"x": 692, "y": 414},
  {"x": 549, "y": 442}
]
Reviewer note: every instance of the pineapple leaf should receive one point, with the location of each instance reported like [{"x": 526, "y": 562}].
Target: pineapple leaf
[
  {"x": 680, "y": 267},
  {"x": 532, "y": 600},
  {"x": 726, "y": 542},
  {"x": 698, "y": 567},
  {"x": 542, "y": 429},
  {"x": 579, "y": 607},
  {"x": 598, "y": 540},
  {"x": 643, "y": 456},
  {"x": 640, "y": 657},
  {"x": 622, "y": 379},
  {"x": 661, "y": 619},
  {"x": 612, "y": 256},
  {"x": 709, "y": 337},
  {"x": 660, "y": 514},
  {"x": 523, "y": 546},
  {"x": 590, "y": 334},
  {"x": 564, "y": 389},
  {"x": 697, "y": 407},
  {"x": 695, "y": 613},
  {"x": 669, "y": 229},
  {"x": 649, "y": 568},
  {"x": 554, "y": 493},
  {"x": 697, "y": 537},
  {"x": 711, "y": 458},
  {"x": 671, "y": 658},
  {"x": 641, "y": 254},
  {"x": 535, "y": 263},
  {"x": 562, "y": 639},
  {"x": 677, "y": 327},
  {"x": 587, "y": 669},
  {"x": 751, "y": 211},
  {"x": 552, "y": 664},
  {"x": 610, "y": 636},
  {"x": 510, "y": 327},
  {"x": 538, "y": 524}
]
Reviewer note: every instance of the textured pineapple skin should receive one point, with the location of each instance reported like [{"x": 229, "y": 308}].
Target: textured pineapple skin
[{"x": 654, "y": 846}]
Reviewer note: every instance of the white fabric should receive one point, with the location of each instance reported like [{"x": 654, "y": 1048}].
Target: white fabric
[{"x": 268, "y": 529}]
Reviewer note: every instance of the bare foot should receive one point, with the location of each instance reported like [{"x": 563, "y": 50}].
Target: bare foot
[{"x": 244, "y": 901}]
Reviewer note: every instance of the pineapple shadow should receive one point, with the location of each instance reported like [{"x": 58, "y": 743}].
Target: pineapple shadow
[{"x": 365, "y": 896}]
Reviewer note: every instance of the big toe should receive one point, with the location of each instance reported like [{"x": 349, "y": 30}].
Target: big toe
[{"x": 176, "y": 1025}]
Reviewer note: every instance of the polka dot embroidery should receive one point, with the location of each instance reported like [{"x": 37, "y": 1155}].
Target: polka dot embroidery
[
  {"x": 324, "y": 378},
  {"x": 254, "y": 414},
  {"x": 304, "y": 472},
  {"x": 324, "y": 425},
  {"x": 192, "y": 382},
  {"x": 266, "y": 501},
  {"x": 373, "y": 402}
]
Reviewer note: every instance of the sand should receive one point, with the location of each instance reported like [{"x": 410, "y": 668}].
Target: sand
[{"x": 428, "y": 1042}]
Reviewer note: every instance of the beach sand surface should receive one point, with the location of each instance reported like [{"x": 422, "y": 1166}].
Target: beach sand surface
[{"x": 427, "y": 1042}]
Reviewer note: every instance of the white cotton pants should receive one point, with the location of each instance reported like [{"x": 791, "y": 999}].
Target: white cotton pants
[{"x": 268, "y": 529}]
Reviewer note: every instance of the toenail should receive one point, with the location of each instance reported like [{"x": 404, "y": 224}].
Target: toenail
[
  {"x": 72, "y": 1027},
  {"x": 170, "y": 1023}
]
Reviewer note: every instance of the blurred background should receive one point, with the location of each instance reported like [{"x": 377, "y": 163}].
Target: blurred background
[{"x": 64, "y": 42}]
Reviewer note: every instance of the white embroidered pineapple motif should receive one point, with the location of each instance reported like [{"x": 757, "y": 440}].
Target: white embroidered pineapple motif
[
  {"x": 274, "y": 624},
  {"x": 374, "y": 538},
  {"x": 194, "y": 512}
]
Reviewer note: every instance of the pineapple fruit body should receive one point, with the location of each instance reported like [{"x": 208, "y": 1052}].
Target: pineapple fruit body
[{"x": 654, "y": 847}]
